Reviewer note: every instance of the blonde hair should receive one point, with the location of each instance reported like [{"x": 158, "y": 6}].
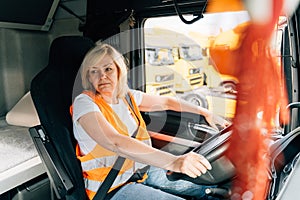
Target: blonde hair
[{"x": 94, "y": 56}]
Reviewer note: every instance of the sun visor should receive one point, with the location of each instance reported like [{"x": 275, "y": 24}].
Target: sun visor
[{"x": 29, "y": 14}]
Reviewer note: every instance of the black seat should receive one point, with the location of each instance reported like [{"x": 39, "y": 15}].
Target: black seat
[{"x": 51, "y": 92}]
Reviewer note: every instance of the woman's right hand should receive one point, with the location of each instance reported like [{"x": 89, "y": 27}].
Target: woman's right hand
[{"x": 191, "y": 164}]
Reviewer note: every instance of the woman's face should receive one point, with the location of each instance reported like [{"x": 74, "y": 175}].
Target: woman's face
[{"x": 104, "y": 76}]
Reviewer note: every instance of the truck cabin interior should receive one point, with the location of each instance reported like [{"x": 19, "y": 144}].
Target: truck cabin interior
[{"x": 42, "y": 46}]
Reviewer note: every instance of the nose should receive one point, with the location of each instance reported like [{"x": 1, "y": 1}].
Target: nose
[{"x": 102, "y": 75}]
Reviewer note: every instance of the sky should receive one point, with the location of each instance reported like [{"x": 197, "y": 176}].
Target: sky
[{"x": 210, "y": 24}]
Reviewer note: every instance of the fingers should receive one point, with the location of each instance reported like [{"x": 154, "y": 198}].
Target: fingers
[
  {"x": 214, "y": 119},
  {"x": 211, "y": 122},
  {"x": 226, "y": 123},
  {"x": 195, "y": 172},
  {"x": 213, "y": 125},
  {"x": 195, "y": 165},
  {"x": 223, "y": 122},
  {"x": 204, "y": 161}
]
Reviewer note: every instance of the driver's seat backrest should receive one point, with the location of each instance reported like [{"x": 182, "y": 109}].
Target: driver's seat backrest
[{"x": 51, "y": 91}]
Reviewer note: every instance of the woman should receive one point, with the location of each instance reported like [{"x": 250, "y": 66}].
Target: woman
[{"x": 103, "y": 123}]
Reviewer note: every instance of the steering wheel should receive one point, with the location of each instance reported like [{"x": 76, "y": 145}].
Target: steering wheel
[{"x": 214, "y": 150}]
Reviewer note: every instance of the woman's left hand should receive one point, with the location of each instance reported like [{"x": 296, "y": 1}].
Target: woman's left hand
[{"x": 213, "y": 119}]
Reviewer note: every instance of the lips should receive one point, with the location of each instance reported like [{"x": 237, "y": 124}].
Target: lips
[{"x": 103, "y": 84}]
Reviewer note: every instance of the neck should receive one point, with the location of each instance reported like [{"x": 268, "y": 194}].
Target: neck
[{"x": 110, "y": 99}]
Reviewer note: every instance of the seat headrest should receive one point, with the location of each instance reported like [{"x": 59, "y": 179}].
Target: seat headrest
[
  {"x": 51, "y": 89},
  {"x": 66, "y": 50}
]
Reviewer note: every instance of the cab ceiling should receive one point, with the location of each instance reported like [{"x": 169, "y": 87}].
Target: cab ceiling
[
  {"x": 104, "y": 17},
  {"x": 146, "y": 8}
]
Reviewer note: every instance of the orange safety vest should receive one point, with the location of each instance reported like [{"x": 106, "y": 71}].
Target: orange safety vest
[{"x": 97, "y": 163}]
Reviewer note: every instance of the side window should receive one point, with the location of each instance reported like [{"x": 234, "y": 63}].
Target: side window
[{"x": 178, "y": 59}]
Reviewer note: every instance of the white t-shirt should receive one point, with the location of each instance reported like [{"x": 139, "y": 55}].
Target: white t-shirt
[{"x": 84, "y": 104}]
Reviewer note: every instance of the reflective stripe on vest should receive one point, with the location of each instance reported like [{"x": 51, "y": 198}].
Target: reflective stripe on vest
[
  {"x": 94, "y": 185},
  {"x": 97, "y": 163}
]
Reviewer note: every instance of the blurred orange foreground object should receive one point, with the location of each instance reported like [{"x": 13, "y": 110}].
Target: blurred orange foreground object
[
  {"x": 225, "y": 48},
  {"x": 224, "y": 6},
  {"x": 260, "y": 93}
]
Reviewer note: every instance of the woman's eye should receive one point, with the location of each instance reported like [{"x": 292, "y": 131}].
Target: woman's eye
[
  {"x": 108, "y": 69},
  {"x": 94, "y": 71}
]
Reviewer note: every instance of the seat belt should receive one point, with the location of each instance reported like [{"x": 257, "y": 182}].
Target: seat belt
[{"x": 105, "y": 186}]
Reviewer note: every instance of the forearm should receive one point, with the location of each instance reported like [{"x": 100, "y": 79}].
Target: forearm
[
  {"x": 158, "y": 103},
  {"x": 180, "y": 105},
  {"x": 191, "y": 163},
  {"x": 140, "y": 152}
]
